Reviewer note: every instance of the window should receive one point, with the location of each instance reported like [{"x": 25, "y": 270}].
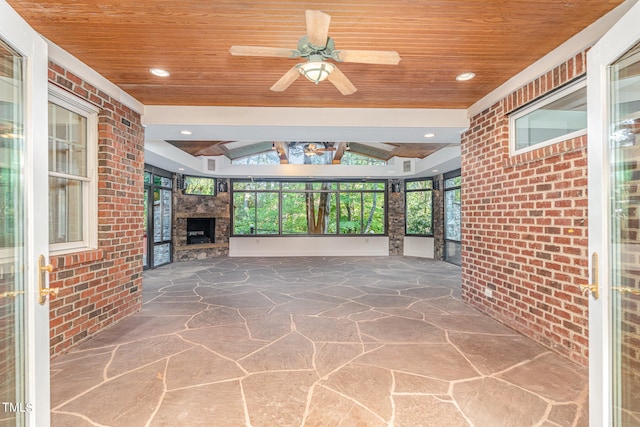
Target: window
[
  {"x": 557, "y": 117},
  {"x": 200, "y": 186},
  {"x": 453, "y": 217},
  {"x": 266, "y": 158},
  {"x": 419, "y": 207},
  {"x": 355, "y": 159},
  {"x": 72, "y": 172},
  {"x": 308, "y": 208}
]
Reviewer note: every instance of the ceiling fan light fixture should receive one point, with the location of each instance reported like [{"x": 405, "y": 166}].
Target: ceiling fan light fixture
[{"x": 316, "y": 71}]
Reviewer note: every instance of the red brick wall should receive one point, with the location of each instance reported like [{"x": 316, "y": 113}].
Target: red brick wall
[
  {"x": 100, "y": 287},
  {"x": 524, "y": 232}
]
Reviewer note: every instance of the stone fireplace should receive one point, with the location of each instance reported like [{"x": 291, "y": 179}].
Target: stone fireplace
[{"x": 201, "y": 230}]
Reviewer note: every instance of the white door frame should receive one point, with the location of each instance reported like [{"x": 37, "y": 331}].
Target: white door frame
[
  {"x": 620, "y": 38},
  {"x": 21, "y": 37}
]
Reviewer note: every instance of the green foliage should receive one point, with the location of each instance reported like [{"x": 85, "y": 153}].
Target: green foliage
[
  {"x": 354, "y": 159},
  {"x": 423, "y": 184},
  {"x": 419, "y": 215},
  {"x": 267, "y": 158},
  {"x": 456, "y": 181},
  {"x": 305, "y": 208}
]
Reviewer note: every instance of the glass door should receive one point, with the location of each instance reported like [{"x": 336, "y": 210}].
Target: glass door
[
  {"x": 624, "y": 254},
  {"x": 158, "y": 193},
  {"x": 453, "y": 217},
  {"x": 614, "y": 224},
  {"x": 24, "y": 323},
  {"x": 12, "y": 239}
]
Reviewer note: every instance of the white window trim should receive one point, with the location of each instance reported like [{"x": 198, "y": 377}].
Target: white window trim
[
  {"x": 71, "y": 102},
  {"x": 536, "y": 106}
]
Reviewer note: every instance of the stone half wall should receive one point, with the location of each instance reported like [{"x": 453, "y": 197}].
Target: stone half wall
[
  {"x": 99, "y": 287},
  {"x": 524, "y": 234}
]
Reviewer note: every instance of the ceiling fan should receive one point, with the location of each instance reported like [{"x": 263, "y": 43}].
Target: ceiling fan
[
  {"x": 317, "y": 47},
  {"x": 311, "y": 148},
  {"x": 317, "y": 148}
]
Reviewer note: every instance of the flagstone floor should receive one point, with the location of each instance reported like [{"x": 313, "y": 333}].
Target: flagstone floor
[{"x": 313, "y": 342}]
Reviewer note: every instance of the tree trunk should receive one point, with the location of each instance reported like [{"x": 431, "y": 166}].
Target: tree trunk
[
  {"x": 317, "y": 221},
  {"x": 370, "y": 219}
]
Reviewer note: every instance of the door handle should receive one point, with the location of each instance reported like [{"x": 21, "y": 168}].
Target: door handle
[
  {"x": 593, "y": 287},
  {"x": 43, "y": 291}
]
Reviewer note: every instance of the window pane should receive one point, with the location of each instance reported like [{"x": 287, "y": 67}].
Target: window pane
[
  {"x": 157, "y": 216},
  {"x": 267, "y": 158},
  {"x": 418, "y": 212},
  {"x": 241, "y": 185},
  {"x": 453, "y": 182},
  {"x": 161, "y": 254},
  {"x": 294, "y": 214},
  {"x": 350, "y": 213},
  {"x": 351, "y": 186},
  {"x": 293, "y": 186},
  {"x": 320, "y": 186},
  {"x": 355, "y": 159},
  {"x": 267, "y": 213},
  {"x": 453, "y": 214},
  {"x": 147, "y": 177},
  {"x": 320, "y": 212},
  {"x": 561, "y": 117},
  {"x": 419, "y": 185},
  {"x": 65, "y": 210},
  {"x": 244, "y": 213},
  {"x": 453, "y": 252},
  {"x": 67, "y": 141},
  {"x": 162, "y": 181},
  {"x": 373, "y": 186},
  {"x": 166, "y": 215},
  {"x": 373, "y": 207}
]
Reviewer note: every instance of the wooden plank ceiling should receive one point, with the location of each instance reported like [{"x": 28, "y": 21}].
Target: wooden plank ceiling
[{"x": 436, "y": 40}]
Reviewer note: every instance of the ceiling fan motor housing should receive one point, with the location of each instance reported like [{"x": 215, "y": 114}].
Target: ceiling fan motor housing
[{"x": 306, "y": 49}]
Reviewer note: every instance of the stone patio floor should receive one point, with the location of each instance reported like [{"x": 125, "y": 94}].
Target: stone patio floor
[{"x": 378, "y": 341}]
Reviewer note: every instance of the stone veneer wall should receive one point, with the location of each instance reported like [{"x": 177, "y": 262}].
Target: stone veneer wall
[
  {"x": 524, "y": 224},
  {"x": 99, "y": 287},
  {"x": 395, "y": 220},
  {"x": 191, "y": 206},
  {"x": 438, "y": 217}
]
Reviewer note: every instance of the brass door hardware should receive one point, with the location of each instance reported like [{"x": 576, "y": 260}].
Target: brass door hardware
[
  {"x": 593, "y": 287},
  {"x": 626, "y": 290},
  {"x": 42, "y": 279},
  {"x": 11, "y": 294}
]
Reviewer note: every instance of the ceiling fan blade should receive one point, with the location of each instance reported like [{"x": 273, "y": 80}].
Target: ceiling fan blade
[
  {"x": 286, "y": 80},
  {"x": 386, "y": 57},
  {"x": 341, "y": 82},
  {"x": 317, "y": 27},
  {"x": 276, "y": 52}
]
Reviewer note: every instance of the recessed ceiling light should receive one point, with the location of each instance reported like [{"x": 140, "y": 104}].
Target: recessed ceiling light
[
  {"x": 159, "y": 72},
  {"x": 429, "y": 135},
  {"x": 465, "y": 76},
  {"x": 186, "y": 132},
  {"x": 434, "y": 170},
  {"x": 180, "y": 169}
]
